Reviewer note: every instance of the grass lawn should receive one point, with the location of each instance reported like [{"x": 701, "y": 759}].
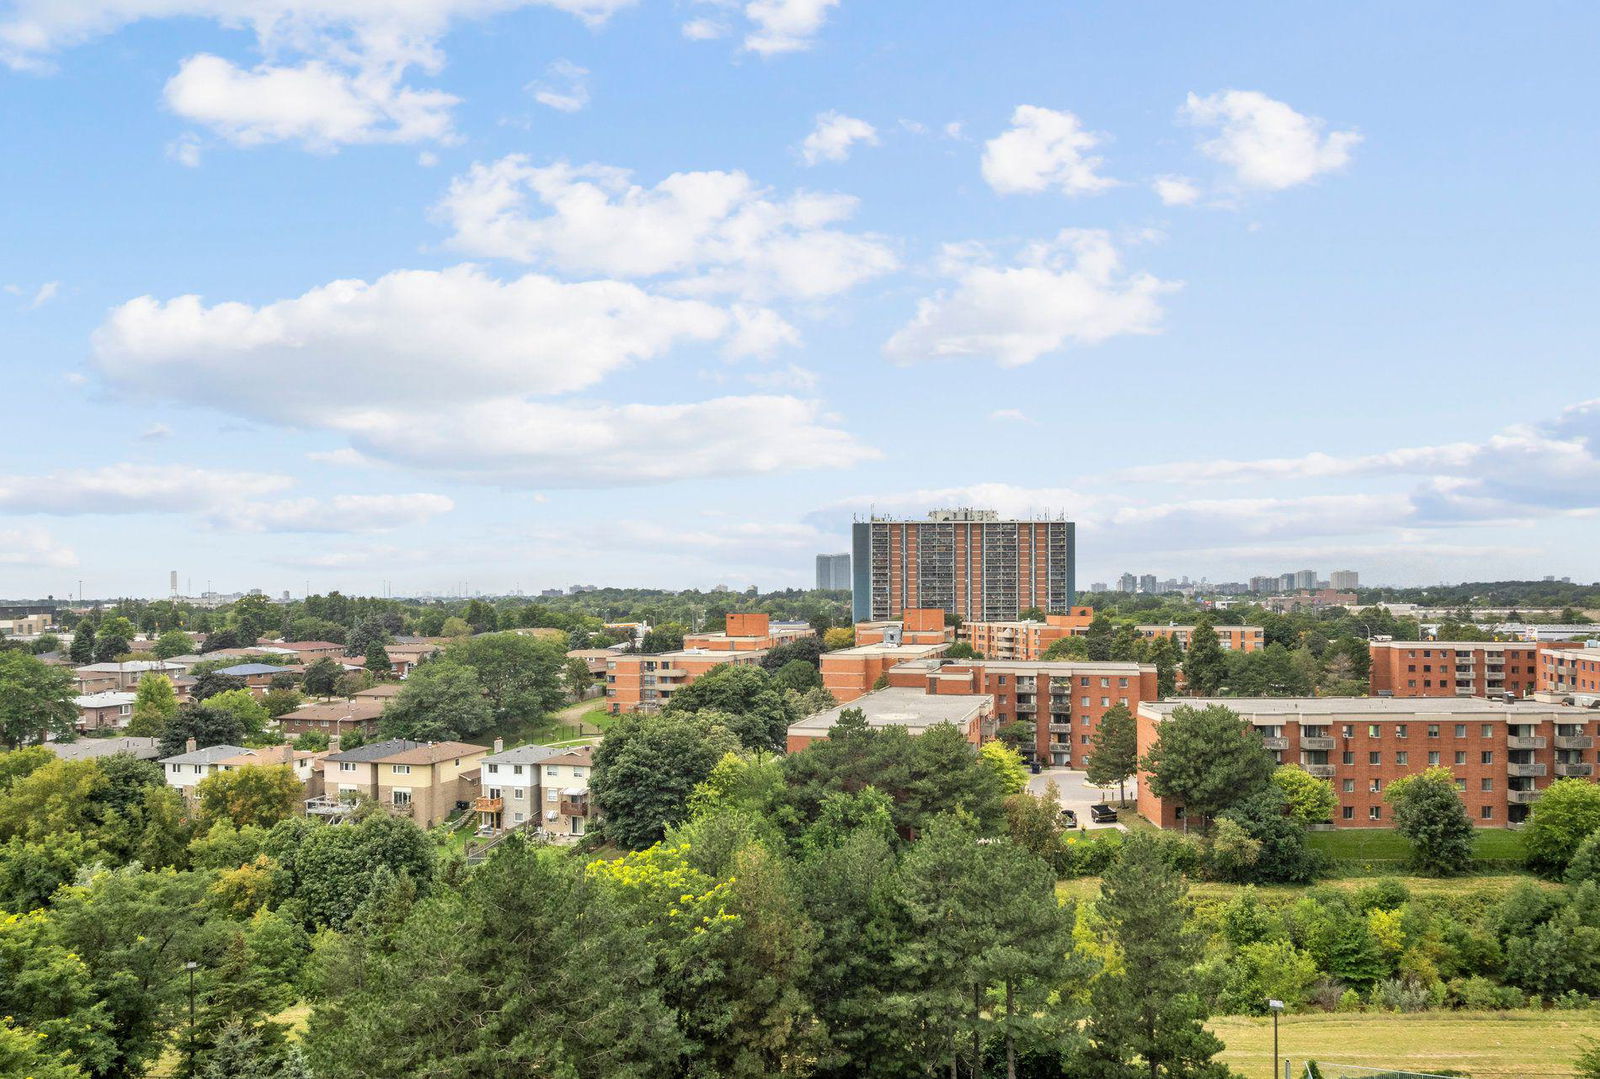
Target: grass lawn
[
  {"x": 1485, "y": 1045},
  {"x": 1385, "y": 845},
  {"x": 583, "y": 720}
]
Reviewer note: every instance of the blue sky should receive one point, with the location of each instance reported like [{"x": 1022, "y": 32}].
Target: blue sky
[{"x": 333, "y": 293}]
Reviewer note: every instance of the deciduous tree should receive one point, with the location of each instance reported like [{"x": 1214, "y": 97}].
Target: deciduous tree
[
  {"x": 35, "y": 700},
  {"x": 441, "y": 701},
  {"x": 1429, "y": 813},
  {"x": 257, "y": 795},
  {"x": 1114, "y": 752},
  {"x": 1206, "y": 759}
]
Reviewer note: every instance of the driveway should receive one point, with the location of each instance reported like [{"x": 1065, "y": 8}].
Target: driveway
[{"x": 1078, "y": 794}]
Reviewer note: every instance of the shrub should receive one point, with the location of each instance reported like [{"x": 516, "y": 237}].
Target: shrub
[{"x": 1394, "y": 995}]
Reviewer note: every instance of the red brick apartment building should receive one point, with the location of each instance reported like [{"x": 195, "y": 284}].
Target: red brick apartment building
[
  {"x": 1502, "y": 754},
  {"x": 1231, "y": 638},
  {"x": 965, "y": 561},
  {"x": 1025, "y": 639},
  {"x": 1453, "y": 669},
  {"x": 1064, "y": 700},
  {"x": 640, "y": 683},
  {"x": 747, "y": 631},
  {"x": 1569, "y": 672},
  {"x": 919, "y": 625}
]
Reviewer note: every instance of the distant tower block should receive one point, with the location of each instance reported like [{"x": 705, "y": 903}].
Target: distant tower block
[{"x": 174, "y": 582}]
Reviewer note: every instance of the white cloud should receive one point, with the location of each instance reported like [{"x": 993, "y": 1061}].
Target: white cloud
[
  {"x": 155, "y": 433},
  {"x": 34, "y": 547},
  {"x": 130, "y": 488},
  {"x": 789, "y": 377},
  {"x": 37, "y": 297},
  {"x": 1044, "y": 149},
  {"x": 427, "y": 159},
  {"x": 341, "y": 513},
  {"x": 1176, "y": 190},
  {"x": 312, "y": 103},
  {"x": 565, "y": 89},
  {"x": 833, "y": 136},
  {"x": 343, "y": 457},
  {"x": 779, "y": 26},
  {"x": 185, "y": 150},
  {"x": 1067, "y": 291},
  {"x": 1011, "y": 415},
  {"x": 709, "y": 232},
  {"x": 412, "y": 335},
  {"x": 1268, "y": 145},
  {"x": 705, "y": 29}
]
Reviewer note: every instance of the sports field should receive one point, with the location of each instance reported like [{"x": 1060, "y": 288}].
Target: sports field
[{"x": 1485, "y": 1045}]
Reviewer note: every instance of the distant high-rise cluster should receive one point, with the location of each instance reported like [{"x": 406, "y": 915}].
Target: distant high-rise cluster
[{"x": 833, "y": 572}]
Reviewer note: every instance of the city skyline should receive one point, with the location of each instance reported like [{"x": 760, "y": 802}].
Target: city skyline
[{"x": 400, "y": 296}]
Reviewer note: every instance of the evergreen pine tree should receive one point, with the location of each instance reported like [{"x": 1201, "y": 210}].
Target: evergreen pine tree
[
  {"x": 1206, "y": 666},
  {"x": 82, "y": 649}
]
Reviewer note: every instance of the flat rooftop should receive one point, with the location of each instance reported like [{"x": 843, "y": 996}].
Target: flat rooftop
[
  {"x": 900, "y": 706},
  {"x": 1330, "y": 708},
  {"x": 909, "y": 651},
  {"x": 1458, "y": 645}
]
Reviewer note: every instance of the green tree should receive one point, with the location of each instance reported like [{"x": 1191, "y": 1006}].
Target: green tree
[
  {"x": 49, "y": 990},
  {"x": 35, "y": 700},
  {"x": 211, "y": 683},
  {"x": 455, "y": 628},
  {"x": 1097, "y": 641},
  {"x": 81, "y": 651},
  {"x": 1146, "y": 1018},
  {"x": 1007, "y": 765},
  {"x": 207, "y": 726},
  {"x": 1565, "y": 815},
  {"x": 44, "y": 643},
  {"x": 377, "y": 660},
  {"x": 839, "y": 637},
  {"x": 1066, "y": 648},
  {"x": 280, "y": 702},
  {"x": 110, "y": 647},
  {"x": 759, "y": 712},
  {"x": 1163, "y": 653},
  {"x": 245, "y": 706},
  {"x": 174, "y": 642},
  {"x": 576, "y": 677},
  {"x": 441, "y": 701},
  {"x": 258, "y": 795},
  {"x": 520, "y": 675},
  {"x": 1587, "y": 1066},
  {"x": 1429, "y": 813},
  {"x": 1206, "y": 759},
  {"x": 155, "y": 702},
  {"x": 1309, "y": 800},
  {"x": 332, "y": 870},
  {"x": 1114, "y": 753},
  {"x": 797, "y": 675},
  {"x": 647, "y": 766},
  {"x": 1205, "y": 667},
  {"x": 24, "y": 1053},
  {"x": 962, "y": 650},
  {"x": 320, "y": 676},
  {"x": 666, "y": 637},
  {"x": 363, "y": 635}
]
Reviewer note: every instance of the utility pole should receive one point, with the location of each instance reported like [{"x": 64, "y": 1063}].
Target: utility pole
[
  {"x": 190, "y": 966},
  {"x": 1275, "y": 1006}
]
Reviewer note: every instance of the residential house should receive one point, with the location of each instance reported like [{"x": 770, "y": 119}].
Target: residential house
[
  {"x": 564, "y": 787},
  {"x": 116, "y": 676},
  {"x": 257, "y": 677},
  {"x": 103, "y": 711},
  {"x": 423, "y": 780},
  {"x": 185, "y": 770},
  {"x": 508, "y": 786},
  {"x": 360, "y": 714}
]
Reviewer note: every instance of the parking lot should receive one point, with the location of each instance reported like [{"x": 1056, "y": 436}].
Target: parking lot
[{"x": 1078, "y": 794}]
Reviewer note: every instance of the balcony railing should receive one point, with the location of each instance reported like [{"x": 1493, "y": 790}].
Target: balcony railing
[
  {"x": 1321, "y": 771},
  {"x": 1529, "y": 770},
  {"x": 1574, "y": 769},
  {"x": 1316, "y": 741},
  {"x": 1574, "y": 741},
  {"x": 1522, "y": 798},
  {"x": 488, "y": 805},
  {"x": 1274, "y": 741},
  {"x": 1526, "y": 742},
  {"x": 1060, "y": 728},
  {"x": 574, "y": 809}
]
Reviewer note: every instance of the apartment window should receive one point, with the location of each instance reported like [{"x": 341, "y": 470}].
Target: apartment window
[
  {"x": 1486, "y": 784},
  {"x": 1105, "y": 702},
  {"x": 1400, "y": 730},
  {"x": 1122, "y": 683},
  {"x": 1374, "y": 812},
  {"x": 1433, "y": 730},
  {"x": 1086, "y": 702},
  {"x": 1433, "y": 757},
  {"x": 1085, "y": 738},
  {"x": 519, "y": 792},
  {"x": 516, "y": 769},
  {"x": 1461, "y": 730},
  {"x": 1374, "y": 758},
  {"x": 552, "y": 770},
  {"x": 1349, "y": 786},
  {"x": 400, "y": 796},
  {"x": 346, "y": 766},
  {"x": 1347, "y": 730},
  {"x": 1376, "y": 786},
  {"x": 552, "y": 795},
  {"x": 1488, "y": 730},
  {"x": 1084, "y": 682},
  {"x": 1411, "y": 683},
  {"x": 577, "y": 773},
  {"x": 1402, "y": 757},
  {"x": 1461, "y": 756},
  {"x": 1105, "y": 683},
  {"x": 400, "y": 769},
  {"x": 1487, "y": 812},
  {"x": 1349, "y": 757},
  {"x": 1349, "y": 813},
  {"x": 1372, "y": 730},
  {"x": 1461, "y": 785},
  {"x": 1001, "y": 680},
  {"x": 1487, "y": 757}
]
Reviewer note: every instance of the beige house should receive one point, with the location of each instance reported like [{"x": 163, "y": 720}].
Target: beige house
[
  {"x": 185, "y": 771},
  {"x": 422, "y": 780},
  {"x": 564, "y": 791}
]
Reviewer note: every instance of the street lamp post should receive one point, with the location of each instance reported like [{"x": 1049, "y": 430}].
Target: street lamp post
[
  {"x": 1275, "y": 1006},
  {"x": 191, "y": 966}
]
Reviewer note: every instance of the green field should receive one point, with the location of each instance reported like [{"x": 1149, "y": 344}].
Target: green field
[
  {"x": 1485, "y": 1045},
  {"x": 1491, "y": 886},
  {"x": 1385, "y": 845}
]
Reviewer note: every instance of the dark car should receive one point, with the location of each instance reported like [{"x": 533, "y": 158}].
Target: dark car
[
  {"x": 1069, "y": 818},
  {"x": 1101, "y": 813}
]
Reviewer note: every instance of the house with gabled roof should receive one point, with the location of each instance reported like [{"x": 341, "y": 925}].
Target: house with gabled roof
[{"x": 428, "y": 781}]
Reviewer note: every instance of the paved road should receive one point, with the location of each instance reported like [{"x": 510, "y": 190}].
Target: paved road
[{"x": 1077, "y": 793}]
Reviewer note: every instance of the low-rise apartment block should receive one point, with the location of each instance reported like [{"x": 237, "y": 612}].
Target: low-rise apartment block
[
  {"x": 1501, "y": 753},
  {"x": 919, "y": 625},
  {"x": 185, "y": 770},
  {"x": 1570, "y": 673},
  {"x": 427, "y": 781},
  {"x": 913, "y": 709},
  {"x": 638, "y": 682},
  {"x": 1231, "y": 638},
  {"x": 849, "y": 673},
  {"x": 1453, "y": 669},
  {"x": 113, "y": 677},
  {"x": 1026, "y": 639},
  {"x": 748, "y": 631}
]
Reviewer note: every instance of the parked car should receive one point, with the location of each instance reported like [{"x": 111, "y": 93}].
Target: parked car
[{"x": 1101, "y": 813}]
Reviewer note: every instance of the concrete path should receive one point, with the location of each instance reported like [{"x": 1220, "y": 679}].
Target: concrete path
[{"x": 1078, "y": 794}]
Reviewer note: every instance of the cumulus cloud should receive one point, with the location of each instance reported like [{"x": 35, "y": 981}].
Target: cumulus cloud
[
  {"x": 131, "y": 488},
  {"x": 34, "y": 548},
  {"x": 1268, "y": 145},
  {"x": 312, "y": 103},
  {"x": 771, "y": 27},
  {"x": 368, "y": 361},
  {"x": 1176, "y": 190},
  {"x": 333, "y": 72},
  {"x": 1044, "y": 149},
  {"x": 833, "y": 137},
  {"x": 703, "y": 233},
  {"x": 1063, "y": 292},
  {"x": 565, "y": 87}
]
